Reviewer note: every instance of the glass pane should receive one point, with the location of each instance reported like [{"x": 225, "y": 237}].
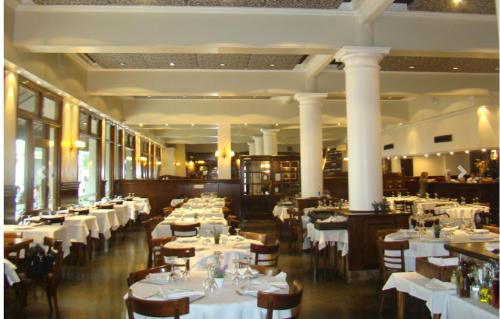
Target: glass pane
[
  {"x": 118, "y": 161},
  {"x": 128, "y": 164},
  {"x": 87, "y": 172},
  {"x": 94, "y": 126},
  {"x": 50, "y": 109},
  {"x": 38, "y": 130},
  {"x": 52, "y": 168},
  {"x": 27, "y": 99},
  {"x": 39, "y": 178},
  {"x": 107, "y": 170},
  {"x": 108, "y": 133},
  {"x": 84, "y": 122},
  {"x": 20, "y": 167}
]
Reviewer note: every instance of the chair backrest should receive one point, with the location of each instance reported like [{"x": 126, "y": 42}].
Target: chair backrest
[
  {"x": 57, "y": 246},
  {"x": 266, "y": 270},
  {"x": 395, "y": 261},
  {"x": 177, "y": 252},
  {"x": 12, "y": 234},
  {"x": 156, "y": 244},
  {"x": 138, "y": 275},
  {"x": 152, "y": 308},
  {"x": 267, "y": 254},
  {"x": 273, "y": 301},
  {"x": 254, "y": 236},
  {"x": 184, "y": 230},
  {"x": 149, "y": 226}
]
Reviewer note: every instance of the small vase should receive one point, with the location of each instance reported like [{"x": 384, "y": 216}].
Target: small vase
[
  {"x": 219, "y": 282},
  {"x": 216, "y": 240}
]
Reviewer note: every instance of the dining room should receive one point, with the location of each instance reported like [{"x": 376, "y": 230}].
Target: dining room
[{"x": 251, "y": 159}]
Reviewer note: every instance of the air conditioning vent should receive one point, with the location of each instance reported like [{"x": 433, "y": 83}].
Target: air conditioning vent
[
  {"x": 443, "y": 138},
  {"x": 389, "y": 146}
]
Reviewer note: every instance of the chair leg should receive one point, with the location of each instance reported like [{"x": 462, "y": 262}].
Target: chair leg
[
  {"x": 150, "y": 258},
  {"x": 381, "y": 304}
]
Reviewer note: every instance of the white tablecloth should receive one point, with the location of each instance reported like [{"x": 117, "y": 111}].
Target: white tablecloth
[
  {"x": 204, "y": 253},
  {"x": 163, "y": 228},
  {"x": 37, "y": 233},
  {"x": 423, "y": 204},
  {"x": 281, "y": 212},
  {"x": 176, "y": 201},
  {"x": 122, "y": 213},
  {"x": 322, "y": 237},
  {"x": 142, "y": 205},
  {"x": 461, "y": 211},
  {"x": 415, "y": 285},
  {"x": 130, "y": 206},
  {"x": 10, "y": 272},
  {"x": 428, "y": 246},
  {"x": 107, "y": 221},
  {"x": 79, "y": 227},
  {"x": 467, "y": 308},
  {"x": 200, "y": 212},
  {"x": 224, "y": 303},
  {"x": 392, "y": 199}
]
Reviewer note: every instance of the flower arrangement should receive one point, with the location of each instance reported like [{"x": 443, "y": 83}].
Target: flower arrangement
[
  {"x": 220, "y": 272},
  {"x": 382, "y": 206}
]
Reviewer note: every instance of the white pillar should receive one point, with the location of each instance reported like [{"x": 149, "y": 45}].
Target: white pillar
[
  {"x": 170, "y": 161},
  {"x": 311, "y": 143},
  {"x": 251, "y": 148},
  {"x": 259, "y": 147},
  {"x": 270, "y": 138},
  {"x": 224, "y": 148},
  {"x": 363, "y": 124}
]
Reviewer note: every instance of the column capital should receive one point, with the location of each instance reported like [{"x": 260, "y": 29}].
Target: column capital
[
  {"x": 257, "y": 138},
  {"x": 310, "y": 97},
  {"x": 357, "y": 54},
  {"x": 269, "y": 130}
]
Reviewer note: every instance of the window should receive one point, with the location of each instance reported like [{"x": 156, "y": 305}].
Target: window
[
  {"x": 109, "y": 159},
  {"x": 37, "y": 149},
  {"x": 89, "y": 158},
  {"x": 119, "y": 154},
  {"x": 129, "y": 162}
]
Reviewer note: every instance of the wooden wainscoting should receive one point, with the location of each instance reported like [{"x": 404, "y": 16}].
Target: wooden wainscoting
[{"x": 9, "y": 204}]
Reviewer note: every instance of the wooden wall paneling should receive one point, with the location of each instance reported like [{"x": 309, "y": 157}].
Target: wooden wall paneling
[{"x": 9, "y": 204}]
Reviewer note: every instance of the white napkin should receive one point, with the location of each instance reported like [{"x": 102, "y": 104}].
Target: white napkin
[
  {"x": 436, "y": 284},
  {"x": 241, "y": 271},
  {"x": 480, "y": 231},
  {"x": 10, "y": 272},
  {"x": 446, "y": 261},
  {"x": 173, "y": 293},
  {"x": 253, "y": 289}
]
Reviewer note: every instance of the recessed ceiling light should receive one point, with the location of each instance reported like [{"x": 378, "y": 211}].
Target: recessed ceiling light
[
  {"x": 245, "y": 124},
  {"x": 451, "y": 153},
  {"x": 483, "y": 150},
  {"x": 426, "y": 155},
  {"x": 122, "y": 64},
  {"x": 141, "y": 125},
  {"x": 389, "y": 97},
  {"x": 38, "y": 82},
  {"x": 192, "y": 124},
  {"x": 467, "y": 152},
  {"x": 400, "y": 123},
  {"x": 438, "y": 154},
  {"x": 411, "y": 67},
  {"x": 272, "y": 65},
  {"x": 59, "y": 93},
  {"x": 395, "y": 157},
  {"x": 457, "y": 2},
  {"x": 405, "y": 157},
  {"x": 338, "y": 124},
  {"x": 171, "y": 64},
  {"x": 19, "y": 71},
  {"x": 222, "y": 64},
  {"x": 149, "y": 96},
  {"x": 387, "y": 158},
  {"x": 166, "y": 124},
  {"x": 276, "y": 124},
  {"x": 482, "y": 107},
  {"x": 455, "y": 68}
]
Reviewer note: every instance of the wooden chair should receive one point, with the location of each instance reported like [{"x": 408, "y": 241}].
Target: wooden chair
[
  {"x": 167, "y": 211},
  {"x": 492, "y": 228},
  {"x": 266, "y": 255},
  {"x": 185, "y": 230},
  {"x": 266, "y": 270},
  {"x": 139, "y": 275},
  {"x": 152, "y": 308},
  {"x": 274, "y": 301},
  {"x": 234, "y": 223},
  {"x": 389, "y": 264},
  {"x": 400, "y": 205},
  {"x": 254, "y": 236},
  {"x": 409, "y": 206},
  {"x": 149, "y": 226},
  {"x": 179, "y": 253},
  {"x": 157, "y": 243},
  {"x": 296, "y": 231},
  {"x": 12, "y": 234}
]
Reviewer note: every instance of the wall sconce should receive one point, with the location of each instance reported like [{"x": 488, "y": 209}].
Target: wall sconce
[
  {"x": 158, "y": 163},
  {"x": 143, "y": 159},
  {"x": 77, "y": 145},
  {"x": 177, "y": 164},
  {"x": 224, "y": 154}
]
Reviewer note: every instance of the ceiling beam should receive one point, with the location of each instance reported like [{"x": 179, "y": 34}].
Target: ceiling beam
[
  {"x": 277, "y": 83},
  {"x": 82, "y": 29},
  {"x": 315, "y": 64},
  {"x": 369, "y": 10}
]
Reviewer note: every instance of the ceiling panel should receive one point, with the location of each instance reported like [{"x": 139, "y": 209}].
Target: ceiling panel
[
  {"x": 464, "y": 6},
  {"x": 310, "y": 4},
  {"x": 196, "y": 61},
  {"x": 439, "y": 64}
]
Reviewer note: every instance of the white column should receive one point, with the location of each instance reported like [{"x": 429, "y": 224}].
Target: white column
[
  {"x": 311, "y": 143},
  {"x": 270, "y": 138},
  {"x": 169, "y": 161},
  {"x": 363, "y": 124},
  {"x": 224, "y": 148},
  {"x": 259, "y": 147},
  {"x": 251, "y": 148}
]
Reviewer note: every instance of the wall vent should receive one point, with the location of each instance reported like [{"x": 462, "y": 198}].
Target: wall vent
[
  {"x": 389, "y": 146},
  {"x": 443, "y": 138}
]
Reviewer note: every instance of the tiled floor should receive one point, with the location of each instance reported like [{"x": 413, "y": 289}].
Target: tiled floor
[{"x": 96, "y": 290}]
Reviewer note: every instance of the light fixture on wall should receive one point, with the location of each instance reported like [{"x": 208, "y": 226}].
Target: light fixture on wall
[
  {"x": 224, "y": 153},
  {"x": 158, "y": 163},
  {"x": 143, "y": 159}
]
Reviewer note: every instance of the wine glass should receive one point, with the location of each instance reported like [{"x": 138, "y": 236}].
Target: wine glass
[
  {"x": 236, "y": 275},
  {"x": 237, "y": 230}
]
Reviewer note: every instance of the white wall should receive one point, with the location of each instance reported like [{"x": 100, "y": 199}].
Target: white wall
[{"x": 433, "y": 165}]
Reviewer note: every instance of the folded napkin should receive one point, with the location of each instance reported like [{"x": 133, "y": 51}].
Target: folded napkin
[
  {"x": 446, "y": 261},
  {"x": 436, "y": 284},
  {"x": 241, "y": 271},
  {"x": 253, "y": 289},
  {"x": 173, "y": 293},
  {"x": 158, "y": 278}
]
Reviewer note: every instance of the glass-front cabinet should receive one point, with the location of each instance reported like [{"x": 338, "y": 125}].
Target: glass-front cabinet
[{"x": 265, "y": 179}]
